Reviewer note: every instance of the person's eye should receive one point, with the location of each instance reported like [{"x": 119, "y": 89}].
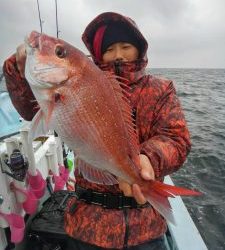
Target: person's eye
[
  {"x": 109, "y": 49},
  {"x": 126, "y": 46}
]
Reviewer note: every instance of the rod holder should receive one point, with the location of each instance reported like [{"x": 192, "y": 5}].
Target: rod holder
[
  {"x": 28, "y": 150},
  {"x": 52, "y": 158}
]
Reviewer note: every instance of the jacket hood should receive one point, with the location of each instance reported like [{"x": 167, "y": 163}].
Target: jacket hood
[{"x": 105, "y": 19}]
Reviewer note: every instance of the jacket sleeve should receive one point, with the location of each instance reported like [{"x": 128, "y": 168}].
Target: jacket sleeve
[
  {"x": 168, "y": 143},
  {"x": 19, "y": 90}
]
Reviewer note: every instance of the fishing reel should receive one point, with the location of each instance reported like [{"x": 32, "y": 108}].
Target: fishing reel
[{"x": 17, "y": 164}]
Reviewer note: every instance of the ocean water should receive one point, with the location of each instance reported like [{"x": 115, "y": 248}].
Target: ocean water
[{"x": 202, "y": 94}]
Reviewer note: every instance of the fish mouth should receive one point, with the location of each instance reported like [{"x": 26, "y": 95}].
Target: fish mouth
[
  {"x": 32, "y": 42},
  {"x": 33, "y": 39}
]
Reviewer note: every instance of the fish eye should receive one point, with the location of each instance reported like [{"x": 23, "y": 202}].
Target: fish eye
[{"x": 60, "y": 51}]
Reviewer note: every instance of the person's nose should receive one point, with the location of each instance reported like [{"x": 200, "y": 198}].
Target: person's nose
[{"x": 118, "y": 55}]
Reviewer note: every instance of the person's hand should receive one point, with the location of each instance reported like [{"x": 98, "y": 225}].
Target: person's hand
[
  {"x": 21, "y": 59},
  {"x": 147, "y": 173}
]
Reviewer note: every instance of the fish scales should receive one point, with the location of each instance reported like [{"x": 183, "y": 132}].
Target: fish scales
[{"x": 93, "y": 123}]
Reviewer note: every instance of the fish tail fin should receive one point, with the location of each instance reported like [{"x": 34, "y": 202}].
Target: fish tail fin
[{"x": 157, "y": 194}]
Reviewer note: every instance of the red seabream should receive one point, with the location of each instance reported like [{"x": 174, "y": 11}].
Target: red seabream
[{"x": 91, "y": 113}]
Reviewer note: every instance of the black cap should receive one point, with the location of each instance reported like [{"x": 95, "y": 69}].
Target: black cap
[{"x": 119, "y": 32}]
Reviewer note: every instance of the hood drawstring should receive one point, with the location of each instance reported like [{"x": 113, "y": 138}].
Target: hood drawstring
[{"x": 118, "y": 67}]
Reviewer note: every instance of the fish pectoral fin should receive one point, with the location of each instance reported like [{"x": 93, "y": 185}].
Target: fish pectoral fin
[
  {"x": 96, "y": 175},
  {"x": 38, "y": 126}
]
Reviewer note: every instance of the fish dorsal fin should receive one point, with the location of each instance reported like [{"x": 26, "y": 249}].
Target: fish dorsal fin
[
  {"x": 95, "y": 175},
  {"x": 122, "y": 91}
]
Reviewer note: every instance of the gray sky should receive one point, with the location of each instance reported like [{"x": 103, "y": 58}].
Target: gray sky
[{"x": 181, "y": 33}]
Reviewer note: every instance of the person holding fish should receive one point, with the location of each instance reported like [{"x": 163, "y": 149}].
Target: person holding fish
[{"x": 127, "y": 129}]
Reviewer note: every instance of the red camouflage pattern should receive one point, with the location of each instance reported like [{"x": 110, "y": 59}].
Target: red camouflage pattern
[{"x": 163, "y": 137}]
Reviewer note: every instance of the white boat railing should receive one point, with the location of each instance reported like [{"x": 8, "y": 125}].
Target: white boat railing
[{"x": 185, "y": 235}]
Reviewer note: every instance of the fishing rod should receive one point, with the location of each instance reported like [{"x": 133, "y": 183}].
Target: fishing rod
[{"x": 39, "y": 14}]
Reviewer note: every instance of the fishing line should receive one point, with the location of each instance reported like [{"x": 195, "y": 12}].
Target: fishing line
[
  {"x": 56, "y": 19},
  {"x": 39, "y": 14}
]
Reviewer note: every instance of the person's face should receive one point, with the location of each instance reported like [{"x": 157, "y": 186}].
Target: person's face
[{"x": 120, "y": 51}]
